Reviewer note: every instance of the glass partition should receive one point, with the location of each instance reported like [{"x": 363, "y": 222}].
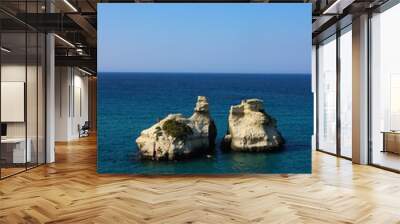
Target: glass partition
[
  {"x": 15, "y": 150},
  {"x": 327, "y": 95},
  {"x": 22, "y": 88},
  {"x": 385, "y": 89}
]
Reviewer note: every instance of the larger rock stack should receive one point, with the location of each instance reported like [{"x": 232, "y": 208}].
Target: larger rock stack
[
  {"x": 250, "y": 128},
  {"x": 176, "y": 137}
]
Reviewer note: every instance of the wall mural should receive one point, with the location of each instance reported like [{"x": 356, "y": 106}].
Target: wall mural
[{"x": 204, "y": 88}]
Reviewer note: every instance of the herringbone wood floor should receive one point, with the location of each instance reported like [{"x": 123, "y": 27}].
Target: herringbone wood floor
[{"x": 70, "y": 191}]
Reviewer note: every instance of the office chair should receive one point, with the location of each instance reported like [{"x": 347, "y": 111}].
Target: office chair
[{"x": 84, "y": 130}]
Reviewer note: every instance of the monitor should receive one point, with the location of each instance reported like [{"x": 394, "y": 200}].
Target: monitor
[{"x": 3, "y": 129}]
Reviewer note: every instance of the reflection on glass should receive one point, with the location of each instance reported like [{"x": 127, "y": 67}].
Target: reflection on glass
[
  {"x": 385, "y": 93},
  {"x": 327, "y": 95}
]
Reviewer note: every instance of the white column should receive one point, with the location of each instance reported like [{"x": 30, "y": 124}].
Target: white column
[
  {"x": 360, "y": 90},
  {"x": 314, "y": 91},
  {"x": 50, "y": 99}
]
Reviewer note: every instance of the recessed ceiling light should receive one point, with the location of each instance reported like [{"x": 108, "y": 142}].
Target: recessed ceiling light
[
  {"x": 70, "y": 5},
  {"x": 64, "y": 40},
  {"x": 84, "y": 71}
]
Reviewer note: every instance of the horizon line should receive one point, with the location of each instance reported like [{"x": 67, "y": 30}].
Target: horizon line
[{"x": 250, "y": 73}]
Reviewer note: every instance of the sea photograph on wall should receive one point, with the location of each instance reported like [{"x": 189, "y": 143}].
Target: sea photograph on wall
[{"x": 204, "y": 88}]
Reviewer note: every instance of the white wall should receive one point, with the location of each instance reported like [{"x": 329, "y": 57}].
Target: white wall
[
  {"x": 62, "y": 83},
  {"x": 13, "y": 101},
  {"x": 9, "y": 73},
  {"x": 17, "y": 73},
  {"x": 33, "y": 127},
  {"x": 71, "y": 93},
  {"x": 80, "y": 110}
]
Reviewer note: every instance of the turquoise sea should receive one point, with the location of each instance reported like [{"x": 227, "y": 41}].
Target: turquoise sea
[{"x": 131, "y": 102}]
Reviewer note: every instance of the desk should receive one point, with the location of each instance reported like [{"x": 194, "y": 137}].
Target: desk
[
  {"x": 13, "y": 150},
  {"x": 391, "y": 141}
]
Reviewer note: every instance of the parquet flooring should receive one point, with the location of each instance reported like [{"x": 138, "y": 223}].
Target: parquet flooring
[{"x": 70, "y": 191}]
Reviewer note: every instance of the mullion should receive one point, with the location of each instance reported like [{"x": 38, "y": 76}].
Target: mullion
[
  {"x": 0, "y": 96},
  {"x": 37, "y": 91},
  {"x": 338, "y": 93},
  {"x": 26, "y": 86}
]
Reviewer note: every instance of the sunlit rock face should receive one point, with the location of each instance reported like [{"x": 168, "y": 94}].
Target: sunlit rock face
[
  {"x": 176, "y": 137},
  {"x": 251, "y": 129}
]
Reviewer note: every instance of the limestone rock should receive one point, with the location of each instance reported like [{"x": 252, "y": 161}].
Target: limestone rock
[
  {"x": 250, "y": 128},
  {"x": 176, "y": 137}
]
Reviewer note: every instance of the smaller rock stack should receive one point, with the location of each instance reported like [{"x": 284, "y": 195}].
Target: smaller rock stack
[{"x": 250, "y": 128}]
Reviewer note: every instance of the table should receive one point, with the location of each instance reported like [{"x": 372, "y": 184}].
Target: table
[
  {"x": 391, "y": 141},
  {"x": 13, "y": 150}
]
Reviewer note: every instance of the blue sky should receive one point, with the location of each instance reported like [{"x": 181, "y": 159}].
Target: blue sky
[{"x": 211, "y": 38}]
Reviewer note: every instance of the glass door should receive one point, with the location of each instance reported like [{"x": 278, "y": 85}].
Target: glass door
[
  {"x": 346, "y": 92},
  {"x": 385, "y": 89},
  {"x": 327, "y": 95},
  {"x": 22, "y": 77}
]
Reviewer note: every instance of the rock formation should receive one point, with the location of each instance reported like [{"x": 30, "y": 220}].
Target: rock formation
[
  {"x": 176, "y": 137},
  {"x": 250, "y": 128}
]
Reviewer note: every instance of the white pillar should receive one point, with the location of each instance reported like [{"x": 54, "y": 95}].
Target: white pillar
[
  {"x": 50, "y": 99},
  {"x": 314, "y": 91},
  {"x": 360, "y": 90}
]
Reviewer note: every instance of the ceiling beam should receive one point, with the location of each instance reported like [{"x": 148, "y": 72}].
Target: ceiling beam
[
  {"x": 82, "y": 61},
  {"x": 338, "y": 6},
  {"x": 84, "y": 24}
]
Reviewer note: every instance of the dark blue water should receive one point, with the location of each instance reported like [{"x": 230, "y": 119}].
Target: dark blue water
[{"x": 131, "y": 102}]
